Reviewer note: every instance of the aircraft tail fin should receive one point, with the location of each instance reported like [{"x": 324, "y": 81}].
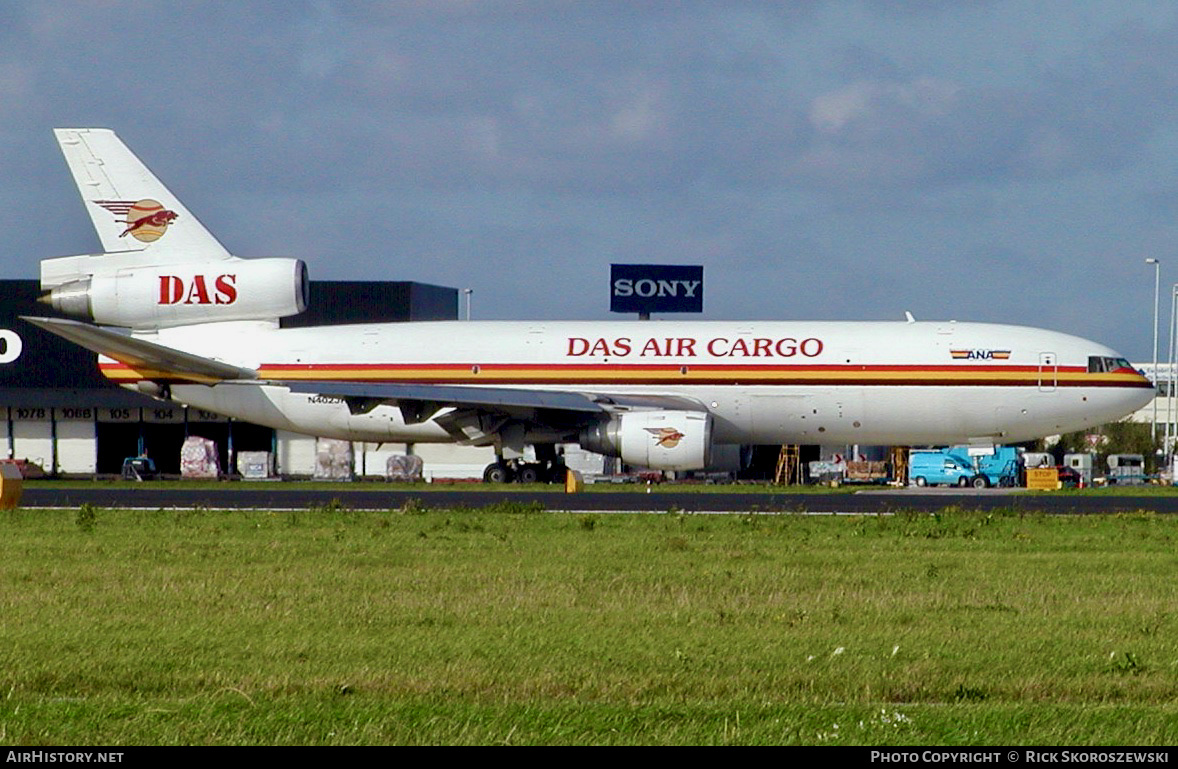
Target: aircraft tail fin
[{"x": 130, "y": 208}]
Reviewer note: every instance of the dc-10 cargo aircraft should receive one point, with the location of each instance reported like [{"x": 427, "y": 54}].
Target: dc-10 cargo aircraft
[{"x": 175, "y": 315}]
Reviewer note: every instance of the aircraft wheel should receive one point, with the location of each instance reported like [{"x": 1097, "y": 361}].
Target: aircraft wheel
[
  {"x": 920, "y": 481},
  {"x": 963, "y": 481},
  {"x": 981, "y": 482},
  {"x": 528, "y": 474},
  {"x": 498, "y": 472}
]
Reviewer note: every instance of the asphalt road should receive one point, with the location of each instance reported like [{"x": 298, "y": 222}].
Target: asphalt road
[{"x": 283, "y": 496}]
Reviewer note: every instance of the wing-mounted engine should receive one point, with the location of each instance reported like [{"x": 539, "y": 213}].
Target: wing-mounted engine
[
  {"x": 115, "y": 290},
  {"x": 661, "y": 440},
  {"x": 664, "y": 432}
]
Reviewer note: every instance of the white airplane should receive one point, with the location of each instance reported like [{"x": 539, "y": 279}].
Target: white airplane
[{"x": 175, "y": 315}]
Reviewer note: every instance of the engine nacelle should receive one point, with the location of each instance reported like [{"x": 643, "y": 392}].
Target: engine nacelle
[
  {"x": 662, "y": 440},
  {"x": 160, "y": 296}
]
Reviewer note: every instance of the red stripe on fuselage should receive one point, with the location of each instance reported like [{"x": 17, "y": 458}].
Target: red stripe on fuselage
[{"x": 687, "y": 374}]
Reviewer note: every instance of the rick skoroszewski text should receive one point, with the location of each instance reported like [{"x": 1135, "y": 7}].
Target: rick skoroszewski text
[{"x": 1021, "y": 756}]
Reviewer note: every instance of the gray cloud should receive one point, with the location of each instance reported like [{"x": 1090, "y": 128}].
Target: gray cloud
[{"x": 816, "y": 157}]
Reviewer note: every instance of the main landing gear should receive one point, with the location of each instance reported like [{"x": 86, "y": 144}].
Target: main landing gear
[
  {"x": 549, "y": 467},
  {"x": 516, "y": 471}
]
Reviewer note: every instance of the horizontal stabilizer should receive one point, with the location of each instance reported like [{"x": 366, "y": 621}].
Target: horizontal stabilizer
[{"x": 154, "y": 361}]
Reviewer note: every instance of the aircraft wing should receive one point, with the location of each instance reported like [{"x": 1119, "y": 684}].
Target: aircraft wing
[
  {"x": 372, "y": 394},
  {"x": 419, "y": 402},
  {"x": 150, "y": 359}
]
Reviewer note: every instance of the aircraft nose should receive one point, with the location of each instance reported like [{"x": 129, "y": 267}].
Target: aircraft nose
[
  {"x": 1142, "y": 397},
  {"x": 1137, "y": 392}
]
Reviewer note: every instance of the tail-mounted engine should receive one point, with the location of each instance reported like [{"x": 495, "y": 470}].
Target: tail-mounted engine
[
  {"x": 662, "y": 440},
  {"x": 160, "y": 296}
]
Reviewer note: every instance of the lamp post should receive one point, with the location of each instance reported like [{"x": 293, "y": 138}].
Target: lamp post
[
  {"x": 1153, "y": 425},
  {"x": 1170, "y": 369},
  {"x": 467, "y": 293}
]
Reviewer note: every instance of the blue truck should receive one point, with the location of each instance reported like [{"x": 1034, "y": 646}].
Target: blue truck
[{"x": 954, "y": 466}]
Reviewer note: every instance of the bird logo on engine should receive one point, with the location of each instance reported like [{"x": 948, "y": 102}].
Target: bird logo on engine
[
  {"x": 666, "y": 437},
  {"x": 147, "y": 220}
]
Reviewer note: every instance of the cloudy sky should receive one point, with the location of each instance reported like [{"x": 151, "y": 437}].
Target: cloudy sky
[{"x": 999, "y": 161}]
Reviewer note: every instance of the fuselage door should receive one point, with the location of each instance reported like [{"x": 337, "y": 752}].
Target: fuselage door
[{"x": 1048, "y": 372}]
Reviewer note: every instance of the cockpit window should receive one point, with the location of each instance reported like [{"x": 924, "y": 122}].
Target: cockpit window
[{"x": 1100, "y": 365}]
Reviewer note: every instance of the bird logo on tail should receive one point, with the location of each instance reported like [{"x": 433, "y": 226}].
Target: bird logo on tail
[{"x": 147, "y": 220}]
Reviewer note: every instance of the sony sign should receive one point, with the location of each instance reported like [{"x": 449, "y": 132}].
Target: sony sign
[{"x": 647, "y": 288}]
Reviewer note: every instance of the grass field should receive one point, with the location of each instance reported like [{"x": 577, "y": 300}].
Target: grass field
[{"x": 508, "y": 626}]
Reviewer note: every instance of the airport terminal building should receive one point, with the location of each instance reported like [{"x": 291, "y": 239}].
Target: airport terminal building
[{"x": 67, "y": 419}]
